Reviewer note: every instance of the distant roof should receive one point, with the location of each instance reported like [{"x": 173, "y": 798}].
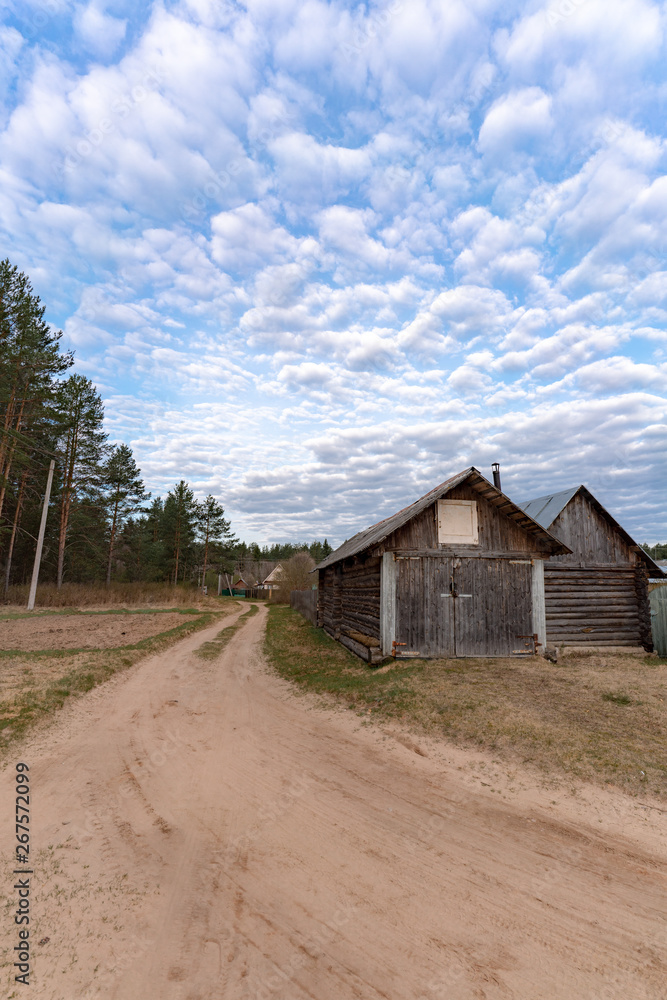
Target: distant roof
[
  {"x": 546, "y": 509},
  {"x": 276, "y": 573},
  {"x": 378, "y": 532}
]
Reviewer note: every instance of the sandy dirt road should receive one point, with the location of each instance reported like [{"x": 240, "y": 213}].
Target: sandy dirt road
[{"x": 199, "y": 832}]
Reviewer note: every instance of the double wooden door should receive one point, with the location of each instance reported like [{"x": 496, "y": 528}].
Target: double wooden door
[{"x": 457, "y": 606}]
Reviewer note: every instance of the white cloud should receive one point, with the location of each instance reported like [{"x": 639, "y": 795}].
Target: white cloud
[
  {"x": 515, "y": 121},
  {"x": 612, "y": 33},
  {"x": 428, "y": 234},
  {"x": 247, "y": 238},
  {"x": 99, "y": 32}
]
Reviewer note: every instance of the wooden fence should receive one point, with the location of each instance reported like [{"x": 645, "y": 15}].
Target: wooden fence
[
  {"x": 658, "y": 598},
  {"x": 305, "y": 601}
]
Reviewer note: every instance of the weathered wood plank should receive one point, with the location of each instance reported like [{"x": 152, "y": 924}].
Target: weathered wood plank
[{"x": 388, "y": 603}]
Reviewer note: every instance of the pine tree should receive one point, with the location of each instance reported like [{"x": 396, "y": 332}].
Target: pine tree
[
  {"x": 179, "y": 521},
  {"x": 124, "y": 493},
  {"x": 30, "y": 359},
  {"x": 82, "y": 446},
  {"x": 213, "y": 527}
]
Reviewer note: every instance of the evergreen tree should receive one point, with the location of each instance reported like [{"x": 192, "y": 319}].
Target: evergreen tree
[
  {"x": 213, "y": 527},
  {"x": 30, "y": 359},
  {"x": 179, "y": 522},
  {"x": 124, "y": 493},
  {"x": 82, "y": 448}
]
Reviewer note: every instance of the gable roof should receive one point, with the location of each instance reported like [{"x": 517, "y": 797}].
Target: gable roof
[
  {"x": 378, "y": 532},
  {"x": 546, "y": 509},
  {"x": 276, "y": 573}
]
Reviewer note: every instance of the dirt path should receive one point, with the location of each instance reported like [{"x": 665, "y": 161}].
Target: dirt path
[{"x": 203, "y": 834}]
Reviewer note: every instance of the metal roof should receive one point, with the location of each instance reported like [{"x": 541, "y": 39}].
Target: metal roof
[
  {"x": 546, "y": 509},
  {"x": 378, "y": 532}
]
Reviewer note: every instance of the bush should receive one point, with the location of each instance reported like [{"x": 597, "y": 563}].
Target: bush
[{"x": 296, "y": 575}]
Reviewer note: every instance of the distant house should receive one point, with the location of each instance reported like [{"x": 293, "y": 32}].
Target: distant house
[
  {"x": 460, "y": 572},
  {"x": 597, "y": 593},
  {"x": 272, "y": 581}
]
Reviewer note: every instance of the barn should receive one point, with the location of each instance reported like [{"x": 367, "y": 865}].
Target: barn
[
  {"x": 460, "y": 572},
  {"x": 596, "y": 594}
]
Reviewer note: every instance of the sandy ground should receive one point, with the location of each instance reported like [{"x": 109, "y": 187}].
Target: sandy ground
[
  {"x": 199, "y": 833},
  {"x": 84, "y": 631}
]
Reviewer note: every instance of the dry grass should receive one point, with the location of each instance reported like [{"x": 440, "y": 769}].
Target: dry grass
[
  {"x": 602, "y": 718},
  {"x": 79, "y": 595},
  {"x": 598, "y": 717}
]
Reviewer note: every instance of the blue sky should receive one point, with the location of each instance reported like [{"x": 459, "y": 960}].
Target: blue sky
[{"x": 320, "y": 256}]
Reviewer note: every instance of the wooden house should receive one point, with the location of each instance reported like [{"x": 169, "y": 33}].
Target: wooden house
[
  {"x": 458, "y": 573},
  {"x": 596, "y": 594},
  {"x": 272, "y": 581}
]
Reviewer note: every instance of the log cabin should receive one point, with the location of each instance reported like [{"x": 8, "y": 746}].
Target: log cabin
[
  {"x": 597, "y": 593},
  {"x": 460, "y": 572}
]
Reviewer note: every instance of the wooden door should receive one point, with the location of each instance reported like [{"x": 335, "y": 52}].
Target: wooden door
[
  {"x": 449, "y": 607},
  {"x": 424, "y": 609},
  {"x": 494, "y": 608}
]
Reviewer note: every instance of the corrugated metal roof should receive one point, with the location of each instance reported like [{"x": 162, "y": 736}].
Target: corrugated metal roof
[
  {"x": 546, "y": 509},
  {"x": 378, "y": 532}
]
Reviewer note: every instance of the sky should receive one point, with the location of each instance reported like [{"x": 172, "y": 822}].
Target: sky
[{"x": 319, "y": 256}]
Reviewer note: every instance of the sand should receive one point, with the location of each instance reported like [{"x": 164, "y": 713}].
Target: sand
[{"x": 200, "y": 832}]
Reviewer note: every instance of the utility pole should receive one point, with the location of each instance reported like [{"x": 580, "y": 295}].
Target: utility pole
[{"x": 40, "y": 539}]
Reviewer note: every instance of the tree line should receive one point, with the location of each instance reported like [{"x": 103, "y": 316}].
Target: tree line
[
  {"x": 657, "y": 551},
  {"x": 103, "y": 524}
]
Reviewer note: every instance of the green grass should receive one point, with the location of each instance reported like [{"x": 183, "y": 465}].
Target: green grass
[
  {"x": 43, "y": 686},
  {"x": 599, "y": 718},
  {"x": 211, "y": 650},
  {"x": 306, "y": 655},
  {"x": 618, "y": 699}
]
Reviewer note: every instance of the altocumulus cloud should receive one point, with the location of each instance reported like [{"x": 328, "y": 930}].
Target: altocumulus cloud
[{"x": 318, "y": 257}]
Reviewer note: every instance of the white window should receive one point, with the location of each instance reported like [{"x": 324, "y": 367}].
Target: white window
[{"x": 457, "y": 522}]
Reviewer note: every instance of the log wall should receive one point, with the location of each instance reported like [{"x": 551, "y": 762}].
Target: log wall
[
  {"x": 349, "y": 604},
  {"x": 593, "y": 606},
  {"x": 597, "y": 594}
]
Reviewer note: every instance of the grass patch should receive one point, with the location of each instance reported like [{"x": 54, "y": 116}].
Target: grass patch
[
  {"x": 599, "y": 718},
  {"x": 211, "y": 650},
  {"x": 306, "y": 655},
  {"x": 618, "y": 699},
  {"x": 37, "y": 684}
]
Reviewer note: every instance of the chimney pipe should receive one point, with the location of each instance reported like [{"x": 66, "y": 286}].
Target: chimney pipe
[{"x": 495, "y": 468}]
